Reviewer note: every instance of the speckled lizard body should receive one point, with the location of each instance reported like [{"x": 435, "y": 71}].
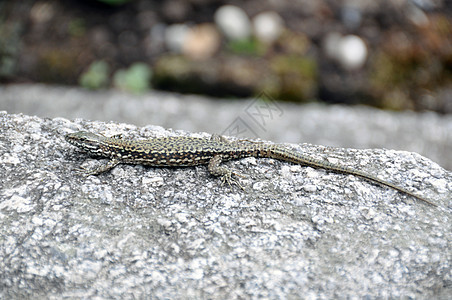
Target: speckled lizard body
[{"x": 190, "y": 151}]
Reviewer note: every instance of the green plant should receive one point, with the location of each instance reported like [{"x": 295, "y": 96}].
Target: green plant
[
  {"x": 96, "y": 76},
  {"x": 135, "y": 79},
  {"x": 249, "y": 46}
]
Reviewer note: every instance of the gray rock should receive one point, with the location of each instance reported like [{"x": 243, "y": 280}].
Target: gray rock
[
  {"x": 427, "y": 133},
  {"x": 294, "y": 232}
]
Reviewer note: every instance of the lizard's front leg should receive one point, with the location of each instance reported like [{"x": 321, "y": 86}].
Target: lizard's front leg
[{"x": 106, "y": 167}]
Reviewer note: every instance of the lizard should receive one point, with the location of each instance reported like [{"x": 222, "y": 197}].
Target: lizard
[{"x": 193, "y": 151}]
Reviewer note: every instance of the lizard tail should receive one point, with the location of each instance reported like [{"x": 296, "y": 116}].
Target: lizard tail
[{"x": 284, "y": 154}]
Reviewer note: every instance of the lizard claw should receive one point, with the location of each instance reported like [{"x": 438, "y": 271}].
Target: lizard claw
[
  {"x": 85, "y": 172},
  {"x": 227, "y": 178}
]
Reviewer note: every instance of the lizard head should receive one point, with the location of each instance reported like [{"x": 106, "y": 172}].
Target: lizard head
[{"x": 87, "y": 141}]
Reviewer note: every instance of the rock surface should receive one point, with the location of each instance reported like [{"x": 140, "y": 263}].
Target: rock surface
[
  {"x": 178, "y": 233},
  {"x": 427, "y": 133}
]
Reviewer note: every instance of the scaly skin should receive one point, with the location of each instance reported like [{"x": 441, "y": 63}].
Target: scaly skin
[{"x": 189, "y": 151}]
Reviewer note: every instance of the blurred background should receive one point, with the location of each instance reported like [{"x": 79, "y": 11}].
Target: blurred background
[
  {"x": 134, "y": 60},
  {"x": 389, "y": 54}
]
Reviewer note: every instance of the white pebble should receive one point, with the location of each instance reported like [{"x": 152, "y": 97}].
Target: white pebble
[
  {"x": 233, "y": 22},
  {"x": 352, "y": 52},
  {"x": 268, "y": 26},
  {"x": 175, "y": 37}
]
